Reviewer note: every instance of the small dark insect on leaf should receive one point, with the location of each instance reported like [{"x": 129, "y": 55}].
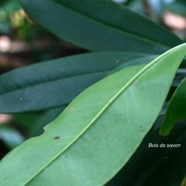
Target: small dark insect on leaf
[{"x": 56, "y": 137}]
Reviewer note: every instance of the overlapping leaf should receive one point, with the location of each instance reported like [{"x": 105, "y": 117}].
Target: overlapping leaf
[
  {"x": 176, "y": 109},
  {"x": 93, "y": 138},
  {"x": 57, "y": 82},
  {"x": 10, "y": 136},
  {"x": 100, "y": 25}
]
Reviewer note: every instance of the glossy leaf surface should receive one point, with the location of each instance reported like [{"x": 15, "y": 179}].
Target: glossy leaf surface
[
  {"x": 98, "y": 132},
  {"x": 100, "y": 25},
  {"x": 57, "y": 82},
  {"x": 176, "y": 109}
]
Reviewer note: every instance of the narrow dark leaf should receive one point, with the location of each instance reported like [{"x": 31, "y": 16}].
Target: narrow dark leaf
[
  {"x": 176, "y": 109},
  {"x": 100, "y": 25},
  {"x": 56, "y": 82}
]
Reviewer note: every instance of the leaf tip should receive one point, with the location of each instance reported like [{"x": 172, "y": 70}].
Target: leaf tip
[{"x": 163, "y": 132}]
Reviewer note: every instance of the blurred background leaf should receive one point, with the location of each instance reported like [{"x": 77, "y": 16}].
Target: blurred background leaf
[
  {"x": 10, "y": 136},
  {"x": 109, "y": 29},
  {"x": 59, "y": 80}
]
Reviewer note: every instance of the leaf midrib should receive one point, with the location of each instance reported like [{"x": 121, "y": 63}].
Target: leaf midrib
[
  {"x": 53, "y": 80},
  {"x": 98, "y": 115},
  {"x": 131, "y": 34}
]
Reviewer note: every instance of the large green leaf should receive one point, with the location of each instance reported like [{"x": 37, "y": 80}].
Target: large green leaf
[
  {"x": 176, "y": 109},
  {"x": 100, "y": 25},
  {"x": 57, "y": 82},
  {"x": 98, "y": 132}
]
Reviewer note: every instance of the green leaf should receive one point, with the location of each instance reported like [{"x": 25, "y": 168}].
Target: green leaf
[
  {"x": 10, "y": 136},
  {"x": 98, "y": 132},
  {"x": 11, "y": 6},
  {"x": 176, "y": 109},
  {"x": 58, "y": 80},
  {"x": 47, "y": 117},
  {"x": 100, "y": 25},
  {"x": 178, "y": 7}
]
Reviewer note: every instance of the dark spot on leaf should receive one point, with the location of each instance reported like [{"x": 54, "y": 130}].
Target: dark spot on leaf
[
  {"x": 141, "y": 128},
  {"x": 56, "y": 137}
]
